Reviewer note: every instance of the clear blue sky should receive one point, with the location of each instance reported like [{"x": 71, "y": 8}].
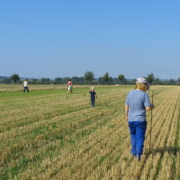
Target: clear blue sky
[{"x": 65, "y": 38}]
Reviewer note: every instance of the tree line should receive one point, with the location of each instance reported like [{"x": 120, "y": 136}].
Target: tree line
[{"x": 89, "y": 78}]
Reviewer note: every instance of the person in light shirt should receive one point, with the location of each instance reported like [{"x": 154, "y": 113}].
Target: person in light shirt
[
  {"x": 26, "y": 86},
  {"x": 137, "y": 102}
]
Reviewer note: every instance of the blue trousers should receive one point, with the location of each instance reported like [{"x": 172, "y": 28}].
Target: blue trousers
[
  {"x": 26, "y": 88},
  {"x": 93, "y": 102},
  {"x": 137, "y": 131}
]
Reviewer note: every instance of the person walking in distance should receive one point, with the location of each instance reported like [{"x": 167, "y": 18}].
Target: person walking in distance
[
  {"x": 147, "y": 88},
  {"x": 93, "y": 96},
  {"x": 26, "y": 86},
  {"x": 69, "y": 86},
  {"x": 137, "y": 102}
]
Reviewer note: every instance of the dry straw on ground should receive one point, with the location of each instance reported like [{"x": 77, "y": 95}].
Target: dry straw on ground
[{"x": 56, "y": 135}]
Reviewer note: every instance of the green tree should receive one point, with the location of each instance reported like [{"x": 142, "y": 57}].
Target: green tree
[
  {"x": 57, "y": 80},
  {"x": 171, "y": 81},
  {"x": 81, "y": 80},
  {"x": 75, "y": 80},
  {"x": 34, "y": 81},
  {"x": 150, "y": 78},
  {"x": 15, "y": 78},
  {"x": 89, "y": 76},
  {"x": 121, "y": 78},
  {"x": 100, "y": 80},
  {"x": 115, "y": 81},
  {"x": 110, "y": 81},
  {"x": 6, "y": 81},
  {"x": 45, "y": 81},
  {"x": 179, "y": 80},
  {"x": 157, "y": 81},
  {"x": 133, "y": 81},
  {"x": 106, "y": 77}
]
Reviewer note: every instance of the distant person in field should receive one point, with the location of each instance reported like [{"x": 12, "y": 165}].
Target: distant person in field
[
  {"x": 69, "y": 86},
  {"x": 26, "y": 85},
  {"x": 137, "y": 102},
  {"x": 93, "y": 96},
  {"x": 147, "y": 88}
]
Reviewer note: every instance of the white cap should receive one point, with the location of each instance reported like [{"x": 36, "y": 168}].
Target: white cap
[
  {"x": 92, "y": 88},
  {"x": 141, "y": 80}
]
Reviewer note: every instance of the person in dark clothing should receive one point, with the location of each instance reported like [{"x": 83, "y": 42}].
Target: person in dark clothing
[{"x": 93, "y": 96}]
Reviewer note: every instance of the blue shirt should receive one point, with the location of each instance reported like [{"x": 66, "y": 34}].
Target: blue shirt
[
  {"x": 137, "y": 101},
  {"x": 92, "y": 95}
]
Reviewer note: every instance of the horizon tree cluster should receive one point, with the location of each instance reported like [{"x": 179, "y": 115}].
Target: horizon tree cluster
[{"x": 89, "y": 78}]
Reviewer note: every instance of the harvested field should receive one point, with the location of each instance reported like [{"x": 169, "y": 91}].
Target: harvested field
[{"x": 50, "y": 134}]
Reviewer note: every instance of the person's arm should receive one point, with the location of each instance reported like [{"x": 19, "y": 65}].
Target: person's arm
[
  {"x": 148, "y": 108},
  {"x": 126, "y": 111},
  {"x": 95, "y": 96},
  {"x": 148, "y": 104}
]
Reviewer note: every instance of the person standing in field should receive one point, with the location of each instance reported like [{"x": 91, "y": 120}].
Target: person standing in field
[
  {"x": 93, "y": 96},
  {"x": 147, "y": 88},
  {"x": 69, "y": 86},
  {"x": 26, "y": 85},
  {"x": 137, "y": 102}
]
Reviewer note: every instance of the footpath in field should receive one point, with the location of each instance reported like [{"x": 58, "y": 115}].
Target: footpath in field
[{"x": 60, "y": 136}]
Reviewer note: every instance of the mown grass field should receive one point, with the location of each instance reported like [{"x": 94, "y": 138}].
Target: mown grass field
[{"x": 52, "y": 135}]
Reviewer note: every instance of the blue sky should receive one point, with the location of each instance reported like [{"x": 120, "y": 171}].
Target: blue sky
[{"x": 65, "y": 38}]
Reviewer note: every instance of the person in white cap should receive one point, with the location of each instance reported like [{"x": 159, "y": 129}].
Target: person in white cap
[
  {"x": 137, "y": 102},
  {"x": 26, "y": 85},
  {"x": 93, "y": 96}
]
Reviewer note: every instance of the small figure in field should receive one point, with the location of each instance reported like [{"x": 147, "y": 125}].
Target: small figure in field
[
  {"x": 93, "y": 96},
  {"x": 137, "y": 102},
  {"x": 26, "y": 86},
  {"x": 69, "y": 86},
  {"x": 147, "y": 88}
]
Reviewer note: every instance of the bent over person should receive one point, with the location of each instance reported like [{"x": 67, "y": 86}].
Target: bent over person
[
  {"x": 26, "y": 86},
  {"x": 137, "y": 102}
]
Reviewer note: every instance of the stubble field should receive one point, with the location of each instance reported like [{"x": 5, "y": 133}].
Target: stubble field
[{"x": 52, "y": 135}]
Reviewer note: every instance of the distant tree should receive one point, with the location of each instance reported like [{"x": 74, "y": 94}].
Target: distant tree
[
  {"x": 115, "y": 80},
  {"x": 121, "y": 78},
  {"x": 89, "y": 76},
  {"x": 179, "y": 80},
  {"x": 45, "y": 81},
  {"x": 34, "y": 81},
  {"x": 15, "y": 78},
  {"x": 156, "y": 81},
  {"x": 171, "y": 81},
  {"x": 106, "y": 77},
  {"x": 100, "y": 80},
  {"x": 133, "y": 81},
  {"x": 75, "y": 80},
  {"x": 65, "y": 80},
  {"x": 57, "y": 80},
  {"x": 110, "y": 80},
  {"x": 150, "y": 78},
  {"x": 6, "y": 81},
  {"x": 81, "y": 80}
]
